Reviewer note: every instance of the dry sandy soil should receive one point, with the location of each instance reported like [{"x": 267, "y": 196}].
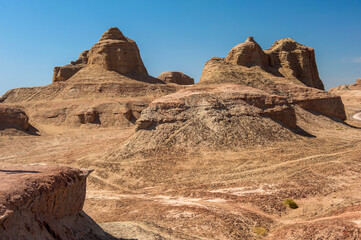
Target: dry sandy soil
[{"x": 181, "y": 193}]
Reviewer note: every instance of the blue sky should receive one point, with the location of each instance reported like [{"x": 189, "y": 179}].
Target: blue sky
[{"x": 177, "y": 35}]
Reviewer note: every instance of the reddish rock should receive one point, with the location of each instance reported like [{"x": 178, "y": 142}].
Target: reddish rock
[
  {"x": 43, "y": 202},
  {"x": 12, "y": 117},
  {"x": 176, "y": 77}
]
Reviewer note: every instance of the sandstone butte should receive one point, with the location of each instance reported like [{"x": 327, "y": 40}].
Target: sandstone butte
[{"x": 178, "y": 160}]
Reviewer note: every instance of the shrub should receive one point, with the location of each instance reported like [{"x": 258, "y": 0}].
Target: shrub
[
  {"x": 290, "y": 203},
  {"x": 261, "y": 231}
]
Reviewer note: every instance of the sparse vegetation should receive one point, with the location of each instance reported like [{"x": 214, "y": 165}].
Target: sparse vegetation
[
  {"x": 290, "y": 203},
  {"x": 260, "y": 231}
]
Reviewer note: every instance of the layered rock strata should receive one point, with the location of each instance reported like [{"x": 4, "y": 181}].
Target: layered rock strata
[
  {"x": 113, "y": 55},
  {"x": 214, "y": 116},
  {"x": 287, "y": 69},
  {"x": 13, "y": 117},
  {"x": 43, "y": 202}
]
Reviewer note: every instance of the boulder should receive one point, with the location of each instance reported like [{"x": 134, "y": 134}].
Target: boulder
[
  {"x": 176, "y": 77},
  {"x": 43, "y": 202},
  {"x": 13, "y": 117}
]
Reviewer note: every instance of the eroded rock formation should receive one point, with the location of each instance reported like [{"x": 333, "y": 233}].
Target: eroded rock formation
[
  {"x": 287, "y": 69},
  {"x": 12, "y": 117},
  {"x": 286, "y": 58},
  {"x": 214, "y": 116},
  {"x": 113, "y": 56},
  {"x": 176, "y": 77},
  {"x": 43, "y": 202}
]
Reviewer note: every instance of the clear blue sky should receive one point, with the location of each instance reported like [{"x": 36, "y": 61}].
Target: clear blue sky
[{"x": 176, "y": 35}]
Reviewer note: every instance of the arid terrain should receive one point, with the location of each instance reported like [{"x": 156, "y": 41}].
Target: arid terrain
[{"x": 211, "y": 160}]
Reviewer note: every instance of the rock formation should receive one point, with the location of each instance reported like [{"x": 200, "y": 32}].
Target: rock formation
[
  {"x": 176, "y": 77},
  {"x": 112, "y": 53},
  {"x": 351, "y": 97},
  {"x": 67, "y": 71},
  {"x": 214, "y": 116},
  {"x": 107, "y": 86},
  {"x": 43, "y": 202},
  {"x": 12, "y": 117},
  {"x": 286, "y": 58},
  {"x": 287, "y": 69}
]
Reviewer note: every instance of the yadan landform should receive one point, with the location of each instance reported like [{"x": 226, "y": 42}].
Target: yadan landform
[{"x": 257, "y": 149}]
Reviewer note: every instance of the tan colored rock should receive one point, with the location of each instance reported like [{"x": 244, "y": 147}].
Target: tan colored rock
[
  {"x": 216, "y": 117},
  {"x": 287, "y": 69},
  {"x": 43, "y": 202},
  {"x": 351, "y": 97},
  {"x": 114, "y": 58},
  {"x": 67, "y": 71},
  {"x": 88, "y": 116},
  {"x": 12, "y": 117},
  {"x": 295, "y": 61},
  {"x": 286, "y": 58},
  {"x": 176, "y": 77},
  {"x": 115, "y": 52},
  {"x": 247, "y": 54}
]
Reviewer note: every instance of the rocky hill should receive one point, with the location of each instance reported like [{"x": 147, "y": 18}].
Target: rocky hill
[{"x": 108, "y": 86}]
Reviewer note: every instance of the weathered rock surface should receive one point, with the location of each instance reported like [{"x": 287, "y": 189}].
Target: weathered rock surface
[
  {"x": 176, "y": 77},
  {"x": 43, "y": 202},
  {"x": 294, "y": 61},
  {"x": 287, "y": 69},
  {"x": 12, "y": 117},
  {"x": 67, "y": 71},
  {"x": 286, "y": 58},
  {"x": 114, "y": 57},
  {"x": 214, "y": 116},
  {"x": 351, "y": 97},
  {"x": 107, "y": 86}
]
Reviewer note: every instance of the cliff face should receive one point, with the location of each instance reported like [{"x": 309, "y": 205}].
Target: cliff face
[
  {"x": 42, "y": 202},
  {"x": 286, "y": 58},
  {"x": 12, "y": 117},
  {"x": 287, "y": 69}
]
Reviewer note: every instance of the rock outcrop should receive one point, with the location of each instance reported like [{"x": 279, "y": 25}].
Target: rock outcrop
[
  {"x": 107, "y": 86},
  {"x": 214, "y": 116},
  {"x": 176, "y": 77},
  {"x": 294, "y": 61},
  {"x": 43, "y": 202},
  {"x": 351, "y": 97},
  {"x": 113, "y": 57},
  {"x": 12, "y": 117},
  {"x": 286, "y": 58},
  {"x": 67, "y": 71},
  {"x": 287, "y": 69}
]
